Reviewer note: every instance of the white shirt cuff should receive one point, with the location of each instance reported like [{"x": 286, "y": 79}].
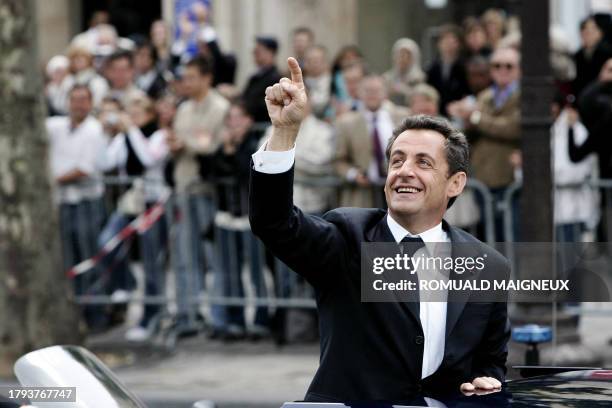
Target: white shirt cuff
[{"x": 269, "y": 162}]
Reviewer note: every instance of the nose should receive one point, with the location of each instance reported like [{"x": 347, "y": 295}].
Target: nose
[{"x": 407, "y": 169}]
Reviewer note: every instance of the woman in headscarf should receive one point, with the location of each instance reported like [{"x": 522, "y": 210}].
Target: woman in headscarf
[{"x": 406, "y": 72}]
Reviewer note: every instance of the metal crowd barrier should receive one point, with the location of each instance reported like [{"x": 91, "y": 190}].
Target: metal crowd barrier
[
  {"x": 507, "y": 208},
  {"x": 278, "y": 288}
]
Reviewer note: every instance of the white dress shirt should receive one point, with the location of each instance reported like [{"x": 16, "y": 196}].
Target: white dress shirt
[
  {"x": 432, "y": 314},
  {"x": 76, "y": 149},
  {"x": 151, "y": 152}
]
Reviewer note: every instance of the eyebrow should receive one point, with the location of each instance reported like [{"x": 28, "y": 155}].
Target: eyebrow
[{"x": 418, "y": 155}]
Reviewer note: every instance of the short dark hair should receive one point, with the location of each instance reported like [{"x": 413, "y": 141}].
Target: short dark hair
[
  {"x": 202, "y": 64},
  {"x": 81, "y": 87},
  {"x": 121, "y": 54},
  {"x": 304, "y": 30},
  {"x": 456, "y": 146},
  {"x": 150, "y": 48}
]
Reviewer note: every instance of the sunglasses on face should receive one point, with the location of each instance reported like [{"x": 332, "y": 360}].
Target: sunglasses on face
[{"x": 499, "y": 65}]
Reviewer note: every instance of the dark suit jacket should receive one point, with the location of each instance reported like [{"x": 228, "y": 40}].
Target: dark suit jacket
[
  {"x": 373, "y": 351},
  {"x": 452, "y": 88}
]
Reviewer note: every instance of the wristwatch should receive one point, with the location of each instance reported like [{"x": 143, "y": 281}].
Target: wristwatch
[{"x": 475, "y": 117}]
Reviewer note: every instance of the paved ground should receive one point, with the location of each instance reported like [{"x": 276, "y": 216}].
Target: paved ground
[
  {"x": 262, "y": 375},
  {"x": 256, "y": 375}
]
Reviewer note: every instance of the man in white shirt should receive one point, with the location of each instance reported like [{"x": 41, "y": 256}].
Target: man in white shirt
[
  {"x": 381, "y": 351},
  {"x": 76, "y": 144}
]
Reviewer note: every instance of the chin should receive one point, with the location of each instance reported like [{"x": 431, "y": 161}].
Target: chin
[{"x": 403, "y": 209}]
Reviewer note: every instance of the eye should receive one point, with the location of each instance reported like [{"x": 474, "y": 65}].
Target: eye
[
  {"x": 396, "y": 163},
  {"x": 424, "y": 163}
]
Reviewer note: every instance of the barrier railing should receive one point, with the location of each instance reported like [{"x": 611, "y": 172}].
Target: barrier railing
[{"x": 212, "y": 265}]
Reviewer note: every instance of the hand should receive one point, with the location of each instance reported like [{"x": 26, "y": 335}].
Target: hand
[
  {"x": 125, "y": 122},
  {"x": 362, "y": 180},
  {"x": 174, "y": 143},
  {"x": 286, "y": 103},
  {"x": 481, "y": 386},
  {"x": 572, "y": 115},
  {"x": 204, "y": 139},
  {"x": 516, "y": 159}
]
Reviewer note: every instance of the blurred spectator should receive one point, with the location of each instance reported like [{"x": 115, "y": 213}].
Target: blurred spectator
[
  {"x": 128, "y": 154},
  {"x": 475, "y": 38},
  {"x": 576, "y": 203},
  {"x": 230, "y": 167},
  {"x": 224, "y": 65},
  {"x": 494, "y": 121},
  {"x": 302, "y": 39},
  {"x": 361, "y": 141},
  {"x": 84, "y": 73},
  {"x": 102, "y": 41},
  {"x": 591, "y": 56},
  {"x": 196, "y": 132},
  {"x": 191, "y": 22},
  {"x": 447, "y": 73},
  {"x": 149, "y": 78},
  {"x": 561, "y": 61},
  {"x": 266, "y": 75},
  {"x": 59, "y": 85},
  {"x": 424, "y": 100},
  {"x": 119, "y": 71},
  {"x": 478, "y": 74},
  {"x": 160, "y": 39},
  {"x": 352, "y": 76},
  {"x": 75, "y": 143},
  {"x": 165, "y": 107},
  {"x": 494, "y": 21},
  {"x": 348, "y": 55},
  {"x": 595, "y": 106},
  {"x": 317, "y": 78},
  {"x": 405, "y": 72}
]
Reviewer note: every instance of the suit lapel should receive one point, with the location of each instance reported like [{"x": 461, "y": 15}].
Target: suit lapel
[{"x": 457, "y": 299}]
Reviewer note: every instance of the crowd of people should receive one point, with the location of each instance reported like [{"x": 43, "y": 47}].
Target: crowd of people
[{"x": 159, "y": 114}]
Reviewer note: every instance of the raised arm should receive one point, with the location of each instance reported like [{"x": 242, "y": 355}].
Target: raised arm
[{"x": 311, "y": 246}]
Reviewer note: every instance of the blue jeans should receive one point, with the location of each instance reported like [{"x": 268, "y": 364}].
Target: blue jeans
[
  {"x": 114, "y": 269},
  {"x": 80, "y": 225},
  {"x": 234, "y": 248},
  {"x": 192, "y": 254},
  {"x": 153, "y": 245}
]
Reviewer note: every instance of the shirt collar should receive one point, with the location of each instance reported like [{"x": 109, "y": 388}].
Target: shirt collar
[{"x": 432, "y": 235}]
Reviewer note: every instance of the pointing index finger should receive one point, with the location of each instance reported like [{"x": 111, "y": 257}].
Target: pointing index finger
[{"x": 296, "y": 72}]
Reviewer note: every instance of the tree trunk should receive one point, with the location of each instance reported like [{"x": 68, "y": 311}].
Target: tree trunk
[{"x": 35, "y": 305}]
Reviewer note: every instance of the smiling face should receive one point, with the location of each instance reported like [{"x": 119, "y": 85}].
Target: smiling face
[{"x": 418, "y": 185}]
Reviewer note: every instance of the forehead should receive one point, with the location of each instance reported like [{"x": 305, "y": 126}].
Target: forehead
[
  {"x": 373, "y": 83},
  {"x": 416, "y": 141},
  {"x": 505, "y": 55}
]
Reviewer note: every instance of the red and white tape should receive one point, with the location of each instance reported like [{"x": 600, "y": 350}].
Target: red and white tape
[{"x": 139, "y": 225}]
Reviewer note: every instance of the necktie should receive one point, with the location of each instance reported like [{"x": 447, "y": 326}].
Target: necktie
[
  {"x": 416, "y": 243},
  {"x": 409, "y": 245},
  {"x": 378, "y": 150}
]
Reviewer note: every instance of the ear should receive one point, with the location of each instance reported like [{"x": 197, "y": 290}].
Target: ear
[{"x": 456, "y": 184}]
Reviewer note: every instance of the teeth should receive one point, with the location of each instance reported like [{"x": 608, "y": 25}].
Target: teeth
[{"x": 407, "y": 190}]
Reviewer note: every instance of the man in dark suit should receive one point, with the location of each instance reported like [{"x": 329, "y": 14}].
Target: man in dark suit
[{"x": 380, "y": 351}]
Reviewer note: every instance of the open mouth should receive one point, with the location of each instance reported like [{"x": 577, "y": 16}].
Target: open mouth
[{"x": 408, "y": 190}]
